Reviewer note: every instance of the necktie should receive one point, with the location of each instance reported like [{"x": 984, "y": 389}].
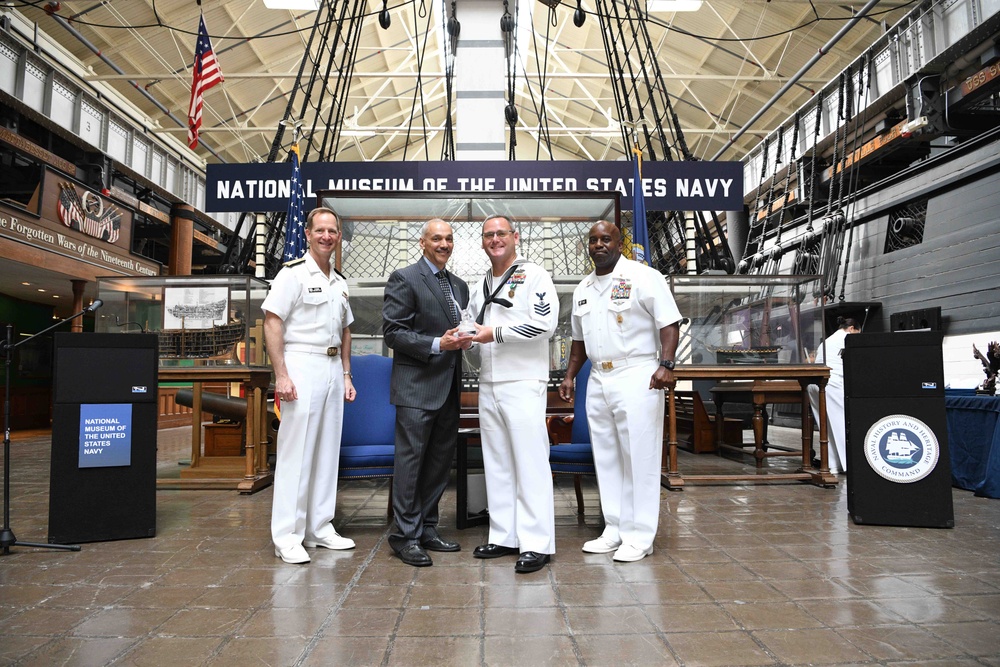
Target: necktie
[{"x": 446, "y": 288}]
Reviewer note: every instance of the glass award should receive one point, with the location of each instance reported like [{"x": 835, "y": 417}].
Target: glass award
[{"x": 467, "y": 325}]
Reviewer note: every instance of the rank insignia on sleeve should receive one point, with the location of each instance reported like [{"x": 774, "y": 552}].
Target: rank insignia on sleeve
[{"x": 542, "y": 308}]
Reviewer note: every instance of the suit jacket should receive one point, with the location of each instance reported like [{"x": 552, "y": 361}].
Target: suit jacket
[{"x": 414, "y": 313}]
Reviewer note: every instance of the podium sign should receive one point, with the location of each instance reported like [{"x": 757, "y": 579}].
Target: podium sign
[
  {"x": 898, "y": 470},
  {"x": 103, "y": 471}
]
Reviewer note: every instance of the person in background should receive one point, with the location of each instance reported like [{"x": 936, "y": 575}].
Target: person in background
[
  {"x": 626, "y": 322},
  {"x": 833, "y": 357},
  {"x": 518, "y": 313},
  {"x": 307, "y": 318},
  {"x": 420, "y": 313}
]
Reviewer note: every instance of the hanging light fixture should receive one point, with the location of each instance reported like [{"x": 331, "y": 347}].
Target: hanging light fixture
[
  {"x": 384, "y": 19},
  {"x": 579, "y": 16}
]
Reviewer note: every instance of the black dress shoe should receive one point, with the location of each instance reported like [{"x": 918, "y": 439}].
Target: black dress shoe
[
  {"x": 414, "y": 555},
  {"x": 531, "y": 561},
  {"x": 438, "y": 543},
  {"x": 494, "y": 551}
]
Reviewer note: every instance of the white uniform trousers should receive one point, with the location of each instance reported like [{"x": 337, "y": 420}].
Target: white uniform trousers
[
  {"x": 308, "y": 459},
  {"x": 516, "y": 461},
  {"x": 836, "y": 427},
  {"x": 626, "y": 433}
]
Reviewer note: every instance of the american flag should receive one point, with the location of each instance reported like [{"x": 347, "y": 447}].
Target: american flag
[
  {"x": 207, "y": 73},
  {"x": 295, "y": 229}
]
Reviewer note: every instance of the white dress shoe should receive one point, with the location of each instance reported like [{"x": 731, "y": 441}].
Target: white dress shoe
[
  {"x": 601, "y": 545},
  {"x": 294, "y": 555},
  {"x": 335, "y": 541},
  {"x": 628, "y": 554}
]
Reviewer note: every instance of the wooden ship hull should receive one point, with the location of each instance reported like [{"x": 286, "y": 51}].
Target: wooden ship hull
[{"x": 218, "y": 342}]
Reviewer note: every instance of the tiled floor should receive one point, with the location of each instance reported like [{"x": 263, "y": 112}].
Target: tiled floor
[{"x": 741, "y": 575}]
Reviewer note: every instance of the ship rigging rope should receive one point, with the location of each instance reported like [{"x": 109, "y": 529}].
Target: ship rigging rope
[
  {"x": 543, "y": 68},
  {"x": 830, "y": 221},
  {"x": 510, "y": 53},
  {"x": 775, "y": 258},
  {"x": 755, "y": 211},
  {"x": 331, "y": 128},
  {"x": 277, "y": 220},
  {"x": 448, "y": 145},
  {"x": 418, "y": 91},
  {"x": 238, "y": 254},
  {"x": 864, "y": 99}
]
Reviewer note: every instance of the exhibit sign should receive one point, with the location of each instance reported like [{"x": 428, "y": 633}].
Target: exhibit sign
[
  {"x": 105, "y": 435},
  {"x": 666, "y": 186}
]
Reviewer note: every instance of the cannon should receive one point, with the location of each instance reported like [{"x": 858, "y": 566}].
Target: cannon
[{"x": 228, "y": 407}]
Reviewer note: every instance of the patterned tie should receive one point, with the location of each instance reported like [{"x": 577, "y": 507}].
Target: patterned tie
[{"x": 446, "y": 288}]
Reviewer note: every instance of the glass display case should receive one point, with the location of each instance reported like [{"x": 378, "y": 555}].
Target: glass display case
[
  {"x": 748, "y": 319},
  {"x": 201, "y": 321}
]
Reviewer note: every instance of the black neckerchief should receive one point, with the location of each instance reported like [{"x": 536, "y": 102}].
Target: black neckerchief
[{"x": 492, "y": 298}]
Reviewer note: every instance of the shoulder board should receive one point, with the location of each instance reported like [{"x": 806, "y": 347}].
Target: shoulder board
[
  {"x": 340, "y": 274},
  {"x": 295, "y": 262}
]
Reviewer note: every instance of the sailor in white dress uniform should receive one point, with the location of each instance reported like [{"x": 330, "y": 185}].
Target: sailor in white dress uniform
[
  {"x": 626, "y": 322},
  {"x": 518, "y": 313},
  {"x": 307, "y": 328}
]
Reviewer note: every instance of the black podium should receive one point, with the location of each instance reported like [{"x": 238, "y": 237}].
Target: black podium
[
  {"x": 103, "y": 471},
  {"x": 898, "y": 470}
]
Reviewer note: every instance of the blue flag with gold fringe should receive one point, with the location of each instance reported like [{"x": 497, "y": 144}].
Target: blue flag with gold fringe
[{"x": 640, "y": 232}]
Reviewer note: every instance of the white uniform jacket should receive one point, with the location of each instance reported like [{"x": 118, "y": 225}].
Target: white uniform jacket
[
  {"x": 315, "y": 309},
  {"x": 621, "y": 318},
  {"x": 521, "y": 329},
  {"x": 834, "y": 356}
]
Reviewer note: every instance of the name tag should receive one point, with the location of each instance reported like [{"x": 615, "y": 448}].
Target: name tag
[{"x": 314, "y": 290}]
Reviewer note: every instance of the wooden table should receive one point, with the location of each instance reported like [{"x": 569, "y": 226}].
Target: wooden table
[
  {"x": 759, "y": 393},
  {"x": 802, "y": 374},
  {"x": 248, "y": 473}
]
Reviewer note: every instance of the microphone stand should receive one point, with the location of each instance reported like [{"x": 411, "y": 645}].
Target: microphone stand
[{"x": 7, "y": 538}]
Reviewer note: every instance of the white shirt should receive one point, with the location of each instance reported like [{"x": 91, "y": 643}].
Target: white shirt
[
  {"x": 620, "y": 315},
  {"x": 521, "y": 333},
  {"x": 834, "y": 355},
  {"x": 315, "y": 309}
]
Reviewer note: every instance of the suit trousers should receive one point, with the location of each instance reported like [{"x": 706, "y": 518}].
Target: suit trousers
[
  {"x": 425, "y": 449},
  {"x": 626, "y": 432},
  {"x": 308, "y": 457},
  {"x": 516, "y": 460}
]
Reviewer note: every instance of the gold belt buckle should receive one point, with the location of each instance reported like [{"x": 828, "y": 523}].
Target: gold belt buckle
[
  {"x": 607, "y": 365},
  {"x": 331, "y": 351}
]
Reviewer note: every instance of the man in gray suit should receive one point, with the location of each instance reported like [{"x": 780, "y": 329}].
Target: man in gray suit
[{"x": 421, "y": 312}]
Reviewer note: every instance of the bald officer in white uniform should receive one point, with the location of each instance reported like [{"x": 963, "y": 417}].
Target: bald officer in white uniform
[
  {"x": 626, "y": 322},
  {"x": 518, "y": 313},
  {"x": 306, "y": 327}
]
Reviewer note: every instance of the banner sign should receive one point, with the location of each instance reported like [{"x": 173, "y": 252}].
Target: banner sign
[
  {"x": 105, "y": 435},
  {"x": 667, "y": 186}
]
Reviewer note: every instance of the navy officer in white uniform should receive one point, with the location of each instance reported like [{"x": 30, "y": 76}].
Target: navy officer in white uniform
[
  {"x": 518, "y": 312},
  {"x": 626, "y": 322},
  {"x": 307, "y": 329}
]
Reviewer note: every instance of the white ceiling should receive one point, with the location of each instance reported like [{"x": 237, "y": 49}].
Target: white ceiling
[{"x": 720, "y": 65}]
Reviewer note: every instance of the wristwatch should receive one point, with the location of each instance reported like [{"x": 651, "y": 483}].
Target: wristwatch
[{"x": 668, "y": 364}]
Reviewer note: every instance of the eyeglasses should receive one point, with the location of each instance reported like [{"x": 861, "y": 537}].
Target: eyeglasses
[{"x": 500, "y": 234}]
